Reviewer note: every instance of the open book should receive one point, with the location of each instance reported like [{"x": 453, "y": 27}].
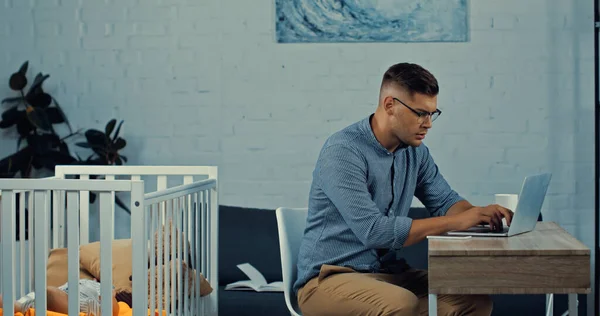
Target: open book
[{"x": 257, "y": 281}]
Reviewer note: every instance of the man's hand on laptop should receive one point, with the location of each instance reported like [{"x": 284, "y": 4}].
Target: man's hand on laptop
[{"x": 491, "y": 214}]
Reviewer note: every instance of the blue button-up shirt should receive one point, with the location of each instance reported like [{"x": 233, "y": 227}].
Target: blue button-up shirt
[{"x": 360, "y": 198}]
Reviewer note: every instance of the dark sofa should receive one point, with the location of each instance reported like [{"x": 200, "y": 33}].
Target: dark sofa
[{"x": 250, "y": 235}]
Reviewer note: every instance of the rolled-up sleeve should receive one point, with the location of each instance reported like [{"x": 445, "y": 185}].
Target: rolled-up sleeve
[
  {"x": 432, "y": 189},
  {"x": 342, "y": 176}
]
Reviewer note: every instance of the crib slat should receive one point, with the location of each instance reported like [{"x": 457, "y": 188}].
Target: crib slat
[
  {"x": 186, "y": 274},
  {"x": 107, "y": 211},
  {"x": 187, "y": 226},
  {"x": 48, "y": 197},
  {"x": 198, "y": 250},
  {"x": 84, "y": 214},
  {"x": 206, "y": 243},
  {"x": 1, "y": 248},
  {"x": 193, "y": 237},
  {"x": 204, "y": 229},
  {"x": 140, "y": 257},
  {"x": 161, "y": 184},
  {"x": 22, "y": 242},
  {"x": 209, "y": 266},
  {"x": 57, "y": 220},
  {"x": 153, "y": 255},
  {"x": 41, "y": 248},
  {"x": 167, "y": 245},
  {"x": 160, "y": 246},
  {"x": 31, "y": 240},
  {"x": 8, "y": 235},
  {"x": 73, "y": 249},
  {"x": 213, "y": 252},
  {"x": 111, "y": 177},
  {"x": 54, "y": 227},
  {"x": 180, "y": 255},
  {"x": 175, "y": 266},
  {"x": 62, "y": 218}
]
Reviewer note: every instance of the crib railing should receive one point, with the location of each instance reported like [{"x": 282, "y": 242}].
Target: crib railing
[
  {"x": 188, "y": 212},
  {"x": 184, "y": 195},
  {"x": 36, "y": 196},
  {"x": 156, "y": 178}
]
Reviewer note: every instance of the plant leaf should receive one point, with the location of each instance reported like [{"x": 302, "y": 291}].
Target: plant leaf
[
  {"x": 96, "y": 138},
  {"x": 11, "y": 114},
  {"x": 110, "y": 127},
  {"x": 24, "y": 67},
  {"x": 21, "y": 138},
  {"x": 63, "y": 148},
  {"x": 11, "y": 100},
  {"x": 97, "y": 141},
  {"x": 10, "y": 117},
  {"x": 118, "y": 161},
  {"x": 62, "y": 113},
  {"x": 36, "y": 85},
  {"x": 54, "y": 158},
  {"x": 42, "y": 100},
  {"x": 83, "y": 145},
  {"x": 38, "y": 118},
  {"x": 54, "y": 116},
  {"x": 17, "y": 81},
  {"x": 120, "y": 144},
  {"x": 118, "y": 130},
  {"x": 122, "y": 205},
  {"x": 123, "y": 157},
  {"x": 39, "y": 79},
  {"x": 24, "y": 126}
]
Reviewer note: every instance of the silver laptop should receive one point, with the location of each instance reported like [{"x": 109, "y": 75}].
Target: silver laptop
[{"x": 526, "y": 215}]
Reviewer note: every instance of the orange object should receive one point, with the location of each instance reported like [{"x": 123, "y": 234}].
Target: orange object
[{"x": 124, "y": 310}]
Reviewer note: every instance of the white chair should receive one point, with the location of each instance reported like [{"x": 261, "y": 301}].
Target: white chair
[{"x": 290, "y": 224}]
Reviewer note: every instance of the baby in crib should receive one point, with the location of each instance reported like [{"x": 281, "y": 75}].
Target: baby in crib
[{"x": 58, "y": 299}]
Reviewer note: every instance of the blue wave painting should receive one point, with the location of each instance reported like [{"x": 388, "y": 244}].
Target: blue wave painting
[{"x": 371, "y": 21}]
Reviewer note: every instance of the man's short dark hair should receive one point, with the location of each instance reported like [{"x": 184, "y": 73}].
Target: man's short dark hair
[{"x": 411, "y": 77}]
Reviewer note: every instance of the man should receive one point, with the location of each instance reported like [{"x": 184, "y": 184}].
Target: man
[{"x": 363, "y": 184}]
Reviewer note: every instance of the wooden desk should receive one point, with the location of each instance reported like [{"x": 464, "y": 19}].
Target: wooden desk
[{"x": 547, "y": 260}]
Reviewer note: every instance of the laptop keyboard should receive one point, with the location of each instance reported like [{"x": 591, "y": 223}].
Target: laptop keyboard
[{"x": 480, "y": 229}]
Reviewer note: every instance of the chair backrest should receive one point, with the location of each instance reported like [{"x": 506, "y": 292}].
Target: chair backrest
[{"x": 290, "y": 224}]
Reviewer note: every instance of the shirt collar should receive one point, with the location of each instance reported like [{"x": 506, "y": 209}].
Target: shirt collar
[{"x": 365, "y": 128}]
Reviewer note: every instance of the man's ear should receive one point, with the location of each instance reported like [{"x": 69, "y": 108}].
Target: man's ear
[{"x": 388, "y": 104}]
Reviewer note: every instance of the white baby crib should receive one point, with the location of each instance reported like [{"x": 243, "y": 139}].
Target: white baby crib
[{"x": 183, "y": 202}]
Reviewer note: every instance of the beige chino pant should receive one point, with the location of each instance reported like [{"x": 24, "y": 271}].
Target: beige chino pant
[{"x": 343, "y": 291}]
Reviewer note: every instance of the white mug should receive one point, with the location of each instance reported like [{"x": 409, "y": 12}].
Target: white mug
[{"x": 508, "y": 201}]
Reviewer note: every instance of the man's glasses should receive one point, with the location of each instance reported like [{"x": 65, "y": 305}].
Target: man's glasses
[{"x": 423, "y": 114}]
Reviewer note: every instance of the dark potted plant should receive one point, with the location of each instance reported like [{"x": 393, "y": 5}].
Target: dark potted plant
[{"x": 34, "y": 113}]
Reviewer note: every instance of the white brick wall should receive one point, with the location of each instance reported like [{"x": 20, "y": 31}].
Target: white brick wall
[{"x": 203, "y": 82}]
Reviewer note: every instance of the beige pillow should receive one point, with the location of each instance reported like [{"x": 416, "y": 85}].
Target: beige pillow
[
  {"x": 89, "y": 257},
  {"x": 57, "y": 270}
]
